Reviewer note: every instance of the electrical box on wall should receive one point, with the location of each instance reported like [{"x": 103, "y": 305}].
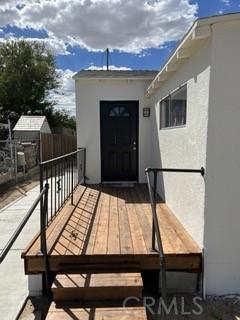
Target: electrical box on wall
[{"x": 146, "y": 112}]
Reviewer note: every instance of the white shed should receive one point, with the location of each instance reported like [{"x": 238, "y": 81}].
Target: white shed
[
  {"x": 30, "y": 127},
  {"x": 185, "y": 116}
]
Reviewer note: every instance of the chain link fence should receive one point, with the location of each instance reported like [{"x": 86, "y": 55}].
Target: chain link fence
[{"x": 18, "y": 160}]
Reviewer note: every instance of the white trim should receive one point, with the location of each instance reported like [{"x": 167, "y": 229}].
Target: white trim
[
  {"x": 174, "y": 90},
  {"x": 109, "y": 78},
  {"x": 201, "y": 33},
  {"x": 183, "y": 53},
  {"x": 174, "y": 127},
  {"x": 171, "y": 67}
]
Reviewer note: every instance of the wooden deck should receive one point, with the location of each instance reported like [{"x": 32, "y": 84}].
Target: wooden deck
[
  {"x": 109, "y": 229},
  {"x": 67, "y": 313}
]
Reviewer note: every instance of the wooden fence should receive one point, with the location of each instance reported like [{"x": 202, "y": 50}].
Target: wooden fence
[{"x": 55, "y": 145}]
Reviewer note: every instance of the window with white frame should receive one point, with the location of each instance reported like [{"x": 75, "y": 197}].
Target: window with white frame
[{"x": 173, "y": 109}]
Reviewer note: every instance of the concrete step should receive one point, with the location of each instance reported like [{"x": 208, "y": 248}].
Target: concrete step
[
  {"x": 95, "y": 287},
  {"x": 110, "y": 313}
]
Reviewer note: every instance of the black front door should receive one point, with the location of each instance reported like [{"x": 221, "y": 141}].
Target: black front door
[{"x": 119, "y": 140}]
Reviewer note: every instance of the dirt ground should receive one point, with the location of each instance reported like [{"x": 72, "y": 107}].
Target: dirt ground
[
  {"x": 10, "y": 194},
  {"x": 214, "y": 308}
]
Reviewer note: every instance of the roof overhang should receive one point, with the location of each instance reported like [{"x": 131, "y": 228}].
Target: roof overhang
[
  {"x": 197, "y": 34},
  {"x": 103, "y": 75}
]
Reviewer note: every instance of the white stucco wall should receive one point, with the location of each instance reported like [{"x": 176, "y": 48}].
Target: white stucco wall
[
  {"x": 208, "y": 207},
  {"x": 185, "y": 147},
  {"x": 89, "y": 93},
  {"x": 222, "y": 211}
]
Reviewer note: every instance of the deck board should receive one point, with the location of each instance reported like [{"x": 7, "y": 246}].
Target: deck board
[
  {"x": 114, "y": 313},
  {"x": 139, "y": 245},
  {"x": 126, "y": 243},
  {"x": 113, "y": 225},
  {"x": 113, "y": 245},
  {"x": 101, "y": 241}
]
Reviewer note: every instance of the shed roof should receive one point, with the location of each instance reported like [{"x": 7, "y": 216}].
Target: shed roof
[
  {"x": 30, "y": 123},
  {"x": 121, "y": 74}
]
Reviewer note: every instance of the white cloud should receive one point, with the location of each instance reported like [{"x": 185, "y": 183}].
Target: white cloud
[
  {"x": 65, "y": 95},
  {"x": 54, "y": 45},
  {"x": 126, "y": 25},
  {"x": 8, "y": 13},
  {"x": 226, "y": 2},
  {"x": 111, "y": 67}
]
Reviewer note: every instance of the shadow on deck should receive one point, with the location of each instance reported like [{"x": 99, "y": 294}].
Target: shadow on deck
[{"x": 109, "y": 229}]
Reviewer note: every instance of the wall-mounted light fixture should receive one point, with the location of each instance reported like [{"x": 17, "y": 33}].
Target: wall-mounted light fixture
[{"x": 146, "y": 112}]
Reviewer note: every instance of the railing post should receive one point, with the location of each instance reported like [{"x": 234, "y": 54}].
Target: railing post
[
  {"x": 155, "y": 205},
  {"x": 162, "y": 286},
  {"x": 43, "y": 222},
  {"x": 72, "y": 182},
  {"x": 19, "y": 229},
  {"x": 41, "y": 185},
  {"x": 156, "y": 234},
  {"x": 78, "y": 166},
  {"x": 84, "y": 166},
  {"x": 65, "y": 179}
]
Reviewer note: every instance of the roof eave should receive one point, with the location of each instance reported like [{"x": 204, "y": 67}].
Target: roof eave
[
  {"x": 199, "y": 31},
  {"x": 114, "y": 78}
]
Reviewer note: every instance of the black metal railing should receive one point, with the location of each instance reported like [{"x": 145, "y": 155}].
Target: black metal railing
[
  {"x": 156, "y": 233},
  {"x": 42, "y": 196},
  {"x": 59, "y": 177},
  {"x": 63, "y": 174}
]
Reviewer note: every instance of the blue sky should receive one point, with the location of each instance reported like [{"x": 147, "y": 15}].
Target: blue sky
[{"x": 140, "y": 33}]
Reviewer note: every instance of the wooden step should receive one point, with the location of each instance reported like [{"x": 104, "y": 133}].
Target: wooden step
[
  {"x": 122, "y": 265},
  {"x": 113, "y": 313},
  {"x": 86, "y": 287}
]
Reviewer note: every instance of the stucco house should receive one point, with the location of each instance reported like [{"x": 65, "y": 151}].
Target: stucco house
[
  {"x": 184, "y": 116},
  {"x": 30, "y": 127}
]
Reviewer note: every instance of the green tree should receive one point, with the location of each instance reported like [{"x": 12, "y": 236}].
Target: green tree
[
  {"x": 27, "y": 76},
  {"x": 60, "y": 118}
]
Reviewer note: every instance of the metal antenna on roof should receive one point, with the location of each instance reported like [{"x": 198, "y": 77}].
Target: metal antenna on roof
[
  {"x": 108, "y": 62},
  {"x": 107, "y": 59}
]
